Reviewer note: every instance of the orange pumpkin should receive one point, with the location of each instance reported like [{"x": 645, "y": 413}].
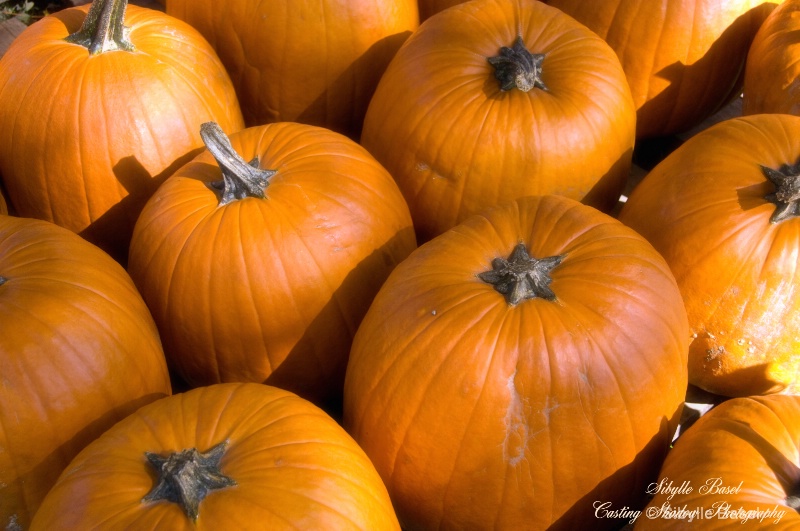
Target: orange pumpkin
[
  {"x": 95, "y": 114},
  {"x": 458, "y": 135},
  {"x": 722, "y": 211},
  {"x": 247, "y": 456},
  {"x": 78, "y": 352},
  {"x": 519, "y": 367},
  {"x": 735, "y": 468},
  {"x": 309, "y": 61},
  {"x": 772, "y": 68},
  {"x": 264, "y": 273},
  {"x": 683, "y": 58}
]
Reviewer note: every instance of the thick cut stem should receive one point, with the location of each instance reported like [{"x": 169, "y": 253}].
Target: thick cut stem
[
  {"x": 516, "y": 67},
  {"x": 186, "y": 477},
  {"x": 103, "y": 29},
  {"x": 786, "y": 196},
  {"x": 240, "y": 179},
  {"x": 521, "y": 277}
]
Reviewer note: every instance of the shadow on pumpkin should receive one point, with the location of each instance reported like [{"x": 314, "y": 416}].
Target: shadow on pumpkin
[
  {"x": 326, "y": 111},
  {"x": 690, "y": 96},
  {"x": 753, "y": 196},
  {"x": 22, "y": 496},
  {"x": 329, "y": 357},
  {"x": 112, "y": 231},
  {"x": 625, "y": 489}
]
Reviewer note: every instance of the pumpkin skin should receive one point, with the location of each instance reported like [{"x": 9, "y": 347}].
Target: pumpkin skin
[
  {"x": 683, "y": 58},
  {"x": 479, "y": 414},
  {"x": 428, "y": 8},
  {"x": 294, "y": 468},
  {"x": 704, "y": 208},
  {"x": 303, "y": 60},
  {"x": 772, "y": 67},
  {"x": 86, "y": 139},
  {"x": 457, "y": 143},
  {"x": 749, "y": 445},
  {"x": 271, "y": 290},
  {"x": 78, "y": 352}
]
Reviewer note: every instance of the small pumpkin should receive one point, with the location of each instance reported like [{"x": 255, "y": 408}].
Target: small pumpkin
[
  {"x": 262, "y": 272},
  {"x": 498, "y": 99},
  {"x": 97, "y": 106},
  {"x": 683, "y": 59},
  {"x": 309, "y": 61},
  {"x": 78, "y": 352},
  {"x": 518, "y": 367},
  {"x": 737, "y": 464},
  {"x": 722, "y": 210},
  {"x": 771, "y": 72},
  {"x": 226, "y": 456}
]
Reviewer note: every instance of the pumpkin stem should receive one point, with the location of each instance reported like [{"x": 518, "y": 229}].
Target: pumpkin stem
[
  {"x": 786, "y": 196},
  {"x": 3, "y": 280},
  {"x": 521, "y": 277},
  {"x": 240, "y": 179},
  {"x": 186, "y": 477},
  {"x": 103, "y": 29},
  {"x": 517, "y": 67}
]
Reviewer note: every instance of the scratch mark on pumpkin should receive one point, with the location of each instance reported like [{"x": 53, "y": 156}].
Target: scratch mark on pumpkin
[{"x": 517, "y": 434}]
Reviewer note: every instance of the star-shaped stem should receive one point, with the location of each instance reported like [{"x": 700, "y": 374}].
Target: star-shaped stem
[
  {"x": 186, "y": 477},
  {"x": 240, "y": 179},
  {"x": 516, "y": 67},
  {"x": 521, "y": 277},
  {"x": 787, "y": 191}
]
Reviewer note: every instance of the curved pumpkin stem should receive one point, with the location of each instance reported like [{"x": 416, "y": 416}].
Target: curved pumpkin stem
[
  {"x": 103, "y": 29},
  {"x": 521, "y": 277},
  {"x": 186, "y": 477},
  {"x": 787, "y": 191},
  {"x": 240, "y": 179},
  {"x": 516, "y": 67}
]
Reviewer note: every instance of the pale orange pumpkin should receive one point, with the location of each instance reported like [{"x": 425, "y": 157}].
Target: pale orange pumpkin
[
  {"x": 248, "y": 456},
  {"x": 78, "y": 352}
]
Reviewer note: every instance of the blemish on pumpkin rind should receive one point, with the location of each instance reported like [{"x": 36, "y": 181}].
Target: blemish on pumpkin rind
[{"x": 515, "y": 444}]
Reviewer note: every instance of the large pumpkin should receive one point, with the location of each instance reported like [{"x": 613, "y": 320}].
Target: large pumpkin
[
  {"x": 246, "y": 456},
  {"x": 78, "y": 352},
  {"x": 772, "y": 69},
  {"x": 722, "y": 210},
  {"x": 519, "y": 367},
  {"x": 498, "y": 99},
  {"x": 310, "y": 61},
  {"x": 97, "y": 107},
  {"x": 735, "y": 468},
  {"x": 264, "y": 273},
  {"x": 683, "y": 58}
]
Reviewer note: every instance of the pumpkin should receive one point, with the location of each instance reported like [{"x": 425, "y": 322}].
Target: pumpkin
[
  {"x": 262, "y": 273},
  {"x": 452, "y": 127},
  {"x": 78, "y": 352},
  {"x": 683, "y": 58},
  {"x": 722, "y": 211},
  {"x": 771, "y": 70},
  {"x": 246, "y": 456},
  {"x": 518, "y": 367},
  {"x": 310, "y": 61},
  {"x": 736, "y": 466},
  {"x": 97, "y": 106}
]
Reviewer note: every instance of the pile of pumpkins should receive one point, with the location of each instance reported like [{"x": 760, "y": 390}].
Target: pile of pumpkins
[{"x": 363, "y": 265}]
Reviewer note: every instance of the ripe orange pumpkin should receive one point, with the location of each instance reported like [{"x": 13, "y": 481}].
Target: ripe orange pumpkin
[
  {"x": 78, "y": 352},
  {"x": 458, "y": 138},
  {"x": 722, "y": 210},
  {"x": 519, "y": 367},
  {"x": 683, "y": 58},
  {"x": 250, "y": 456},
  {"x": 738, "y": 464},
  {"x": 771, "y": 72},
  {"x": 264, "y": 274},
  {"x": 309, "y": 61},
  {"x": 95, "y": 114}
]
